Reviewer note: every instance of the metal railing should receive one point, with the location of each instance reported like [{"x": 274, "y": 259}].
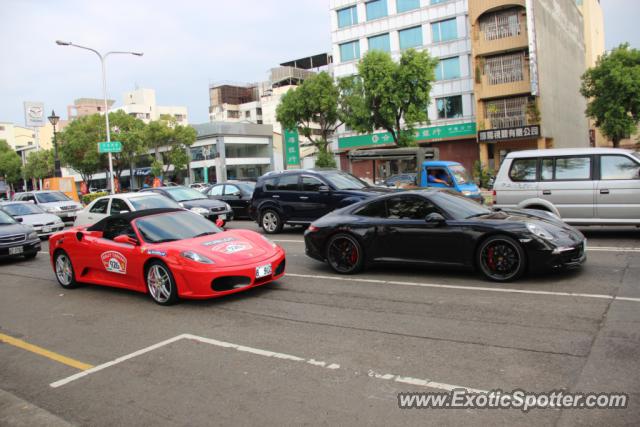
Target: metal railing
[
  {"x": 500, "y": 25},
  {"x": 505, "y": 68},
  {"x": 507, "y": 113}
]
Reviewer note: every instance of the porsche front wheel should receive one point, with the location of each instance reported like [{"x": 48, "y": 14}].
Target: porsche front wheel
[
  {"x": 64, "y": 270},
  {"x": 345, "y": 254},
  {"x": 501, "y": 259},
  {"x": 161, "y": 284}
]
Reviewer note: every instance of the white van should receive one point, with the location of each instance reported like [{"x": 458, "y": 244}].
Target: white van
[{"x": 588, "y": 186}]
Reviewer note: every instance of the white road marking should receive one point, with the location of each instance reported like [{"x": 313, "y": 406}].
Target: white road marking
[
  {"x": 422, "y": 382},
  {"x": 287, "y": 241},
  {"x": 466, "y": 288}
]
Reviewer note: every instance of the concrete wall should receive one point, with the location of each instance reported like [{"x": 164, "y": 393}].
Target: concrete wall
[{"x": 561, "y": 62}]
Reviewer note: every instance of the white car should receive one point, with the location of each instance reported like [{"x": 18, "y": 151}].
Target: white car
[
  {"x": 28, "y": 213},
  {"x": 104, "y": 206},
  {"x": 55, "y": 202}
]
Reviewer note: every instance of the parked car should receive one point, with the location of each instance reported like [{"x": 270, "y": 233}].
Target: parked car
[
  {"x": 195, "y": 201},
  {"x": 167, "y": 253},
  {"x": 236, "y": 193},
  {"x": 400, "y": 179},
  {"x": 105, "y": 206},
  {"x": 586, "y": 186},
  {"x": 199, "y": 186},
  {"x": 42, "y": 222},
  {"x": 17, "y": 239},
  {"x": 54, "y": 202},
  {"x": 298, "y": 197},
  {"x": 438, "y": 227}
]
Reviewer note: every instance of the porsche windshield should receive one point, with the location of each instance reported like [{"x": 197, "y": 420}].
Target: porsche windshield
[
  {"x": 459, "y": 207},
  {"x": 174, "y": 226}
]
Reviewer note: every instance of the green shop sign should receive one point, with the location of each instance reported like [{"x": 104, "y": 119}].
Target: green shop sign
[
  {"x": 291, "y": 147},
  {"x": 422, "y": 134}
]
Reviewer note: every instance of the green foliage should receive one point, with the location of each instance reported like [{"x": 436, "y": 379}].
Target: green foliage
[
  {"x": 130, "y": 131},
  {"x": 481, "y": 175},
  {"x": 325, "y": 159},
  {"x": 166, "y": 133},
  {"x": 39, "y": 165},
  {"x": 78, "y": 145},
  {"x": 10, "y": 163},
  {"x": 88, "y": 198},
  {"x": 312, "y": 106},
  {"x": 612, "y": 89},
  {"x": 533, "y": 113},
  {"x": 390, "y": 95}
]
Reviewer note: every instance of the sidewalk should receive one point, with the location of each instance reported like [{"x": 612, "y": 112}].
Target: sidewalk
[{"x": 16, "y": 412}]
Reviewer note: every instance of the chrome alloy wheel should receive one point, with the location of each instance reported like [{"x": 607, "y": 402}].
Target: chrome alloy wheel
[{"x": 159, "y": 283}]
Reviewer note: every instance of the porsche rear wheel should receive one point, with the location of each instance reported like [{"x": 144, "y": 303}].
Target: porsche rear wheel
[
  {"x": 345, "y": 254},
  {"x": 64, "y": 270},
  {"x": 161, "y": 284},
  {"x": 501, "y": 259},
  {"x": 271, "y": 222}
]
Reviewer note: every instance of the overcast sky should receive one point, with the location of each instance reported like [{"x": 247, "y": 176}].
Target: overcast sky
[{"x": 187, "y": 44}]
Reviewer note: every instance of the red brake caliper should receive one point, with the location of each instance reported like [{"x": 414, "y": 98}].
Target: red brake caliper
[
  {"x": 490, "y": 260},
  {"x": 354, "y": 255}
]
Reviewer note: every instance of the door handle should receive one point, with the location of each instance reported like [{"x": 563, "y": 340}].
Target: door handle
[
  {"x": 604, "y": 191},
  {"x": 89, "y": 217},
  {"x": 546, "y": 192},
  {"x": 303, "y": 197},
  {"x": 275, "y": 196}
]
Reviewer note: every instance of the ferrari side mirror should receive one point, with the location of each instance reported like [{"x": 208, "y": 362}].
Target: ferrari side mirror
[{"x": 123, "y": 238}]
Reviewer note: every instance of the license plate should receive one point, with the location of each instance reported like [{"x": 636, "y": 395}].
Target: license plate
[
  {"x": 46, "y": 229},
  {"x": 222, "y": 217},
  {"x": 19, "y": 249},
  {"x": 263, "y": 271}
]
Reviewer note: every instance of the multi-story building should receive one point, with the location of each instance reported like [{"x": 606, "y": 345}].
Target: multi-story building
[
  {"x": 528, "y": 57},
  {"x": 87, "y": 106},
  {"x": 20, "y": 136},
  {"x": 441, "y": 27},
  {"x": 141, "y": 103}
]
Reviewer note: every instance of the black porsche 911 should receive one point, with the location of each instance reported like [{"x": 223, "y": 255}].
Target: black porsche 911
[{"x": 440, "y": 228}]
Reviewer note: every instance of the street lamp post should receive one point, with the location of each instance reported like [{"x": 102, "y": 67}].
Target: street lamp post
[
  {"x": 53, "y": 119},
  {"x": 103, "y": 58}
]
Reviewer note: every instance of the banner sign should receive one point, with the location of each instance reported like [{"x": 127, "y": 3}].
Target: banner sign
[
  {"x": 520, "y": 132},
  {"x": 34, "y": 114},
  {"x": 291, "y": 147},
  {"x": 433, "y": 133}
]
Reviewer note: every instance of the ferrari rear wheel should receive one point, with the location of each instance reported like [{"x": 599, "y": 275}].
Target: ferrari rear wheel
[
  {"x": 64, "y": 270},
  {"x": 160, "y": 283},
  {"x": 345, "y": 254},
  {"x": 271, "y": 222},
  {"x": 501, "y": 259}
]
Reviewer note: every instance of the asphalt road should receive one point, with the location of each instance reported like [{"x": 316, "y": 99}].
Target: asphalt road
[{"x": 318, "y": 348}]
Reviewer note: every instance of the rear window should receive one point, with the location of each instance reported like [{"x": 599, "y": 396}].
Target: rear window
[{"x": 523, "y": 170}]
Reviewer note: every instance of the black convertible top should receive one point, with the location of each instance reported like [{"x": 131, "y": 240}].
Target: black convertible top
[{"x": 130, "y": 216}]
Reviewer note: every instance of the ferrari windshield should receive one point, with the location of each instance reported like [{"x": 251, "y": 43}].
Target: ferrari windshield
[
  {"x": 5, "y": 219},
  {"x": 174, "y": 226},
  {"x": 53, "y": 196},
  {"x": 459, "y": 207},
  {"x": 344, "y": 181},
  {"x": 152, "y": 202},
  {"x": 183, "y": 194},
  {"x": 21, "y": 209}
]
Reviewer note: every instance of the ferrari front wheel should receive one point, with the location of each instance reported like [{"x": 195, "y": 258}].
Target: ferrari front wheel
[
  {"x": 501, "y": 259},
  {"x": 161, "y": 284},
  {"x": 64, "y": 270}
]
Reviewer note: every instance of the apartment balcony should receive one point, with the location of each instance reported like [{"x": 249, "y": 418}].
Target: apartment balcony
[
  {"x": 501, "y": 38},
  {"x": 503, "y": 85}
]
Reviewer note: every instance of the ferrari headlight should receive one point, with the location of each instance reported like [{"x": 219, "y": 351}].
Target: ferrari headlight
[
  {"x": 273, "y": 245},
  {"x": 33, "y": 235},
  {"x": 539, "y": 231},
  {"x": 201, "y": 211},
  {"x": 195, "y": 256}
]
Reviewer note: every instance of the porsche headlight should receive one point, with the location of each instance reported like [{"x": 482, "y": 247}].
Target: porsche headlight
[
  {"x": 201, "y": 211},
  {"x": 273, "y": 245},
  {"x": 539, "y": 231},
  {"x": 195, "y": 256},
  {"x": 228, "y": 206}
]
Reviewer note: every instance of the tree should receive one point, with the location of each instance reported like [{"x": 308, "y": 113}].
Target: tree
[
  {"x": 389, "y": 95},
  {"x": 130, "y": 132},
  {"x": 612, "y": 89},
  {"x": 10, "y": 163},
  {"x": 312, "y": 108},
  {"x": 169, "y": 142},
  {"x": 78, "y": 145},
  {"x": 39, "y": 164}
]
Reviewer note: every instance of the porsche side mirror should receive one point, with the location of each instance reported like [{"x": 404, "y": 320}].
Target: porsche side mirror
[
  {"x": 19, "y": 219},
  {"x": 123, "y": 238},
  {"x": 324, "y": 189},
  {"x": 434, "y": 219}
]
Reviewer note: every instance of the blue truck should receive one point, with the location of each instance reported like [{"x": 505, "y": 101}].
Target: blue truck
[{"x": 448, "y": 174}]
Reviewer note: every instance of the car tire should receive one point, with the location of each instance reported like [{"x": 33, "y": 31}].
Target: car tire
[
  {"x": 63, "y": 269},
  {"x": 30, "y": 255},
  {"x": 501, "y": 259},
  {"x": 160, "y": 283},
  {"x": 270, "y": 221},
  {"x": 344, "y": 254}
]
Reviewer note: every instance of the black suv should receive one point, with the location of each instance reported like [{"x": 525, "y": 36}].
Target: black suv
[{"x": 299, "y": 197}]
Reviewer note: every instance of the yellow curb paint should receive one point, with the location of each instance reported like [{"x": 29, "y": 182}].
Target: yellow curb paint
[{"x": 44, "y": 352}]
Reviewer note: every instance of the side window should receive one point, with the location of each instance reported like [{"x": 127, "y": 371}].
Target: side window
[
  {"x": 373, "y": 210},
  {"x": 270, "y": 184},
  {"x": 311, "y": 184},
  {"x": 409, "y": 208},
  {"x": 288, "y": 183},
  {"x": 546, "y": 170},
  {"x": 618, "y": 167},
  {"x": 570, "y": 168},
  {"x": 117, "y": 228},
  {"x": 523, "y": 170},
  {"x": 231, "y": 190},
  {"x": 18, "y": 197},
  {"x": 100, "y": 207},
  {"x": 118, "y": 205},
  {"x": 216, "y": 190}
]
